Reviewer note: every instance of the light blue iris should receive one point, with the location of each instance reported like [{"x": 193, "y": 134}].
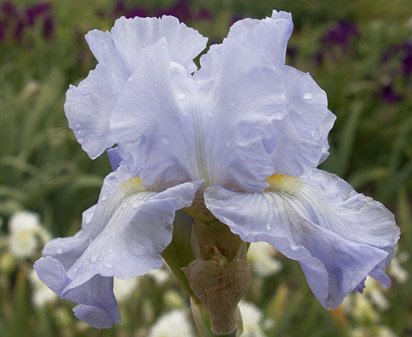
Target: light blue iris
[{"x": 245, "y": 131}]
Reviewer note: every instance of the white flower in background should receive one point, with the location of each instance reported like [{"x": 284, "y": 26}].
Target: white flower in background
[
  {"x": 173, "y": 299},
  {"x": 252, "y": 318},
  {"x": 172, "y": 324},
  {"x": 375, "y": 292},
  {"x": 396, "y": 271},
  {"x": 261, "y": 256},
  {"x": 360, "y": 308},
  {"x": 375, "y": 331},
  {"x": 160, "y": 276},
  {"x": 41, "y": 294},
  {"x": 26, "y": 234},
  {"x": 124, "y": 288}
]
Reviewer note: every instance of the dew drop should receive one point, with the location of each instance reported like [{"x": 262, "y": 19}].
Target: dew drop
[
  {"x": 268, "y": 225},
  {"x": 88, "y": 249},
  {"x": 59, "y": 251},
  {"x": 136, "y": 248},
  {"x": 114, "y": 233},
  {"x": 228, "y": 143},
  {"x": 94, "y": 257},
  {"x": 104, "y": 197},
  {"x": 277, "y": 115},
  {"x": 136, "y": 204},
  {"x": 110, "y": 251},
  {"x": 232, "y": 103},
  {"x": 210, "y": 113},
  {"x": 180, "y": 95},
  {"x": 75, "y": 270},
  {"x": 108, "y": 265},
  {"x": 87, "y": 218},
  {"x": 76, "y": 125},
  {"x": 308, "y": 95}
]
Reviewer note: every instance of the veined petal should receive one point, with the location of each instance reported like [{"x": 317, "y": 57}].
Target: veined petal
[
  {"x": 132, "y": 36},
  {"x": 337, "y": 235},
  {"x": 212, "y": 128},
  {"x": 267, "y": 37},
  {"x": 301, "y": 136},
  {"x": 123, "y": 236},
  {"x": 241, "y": 101},
  {"x": 89, "y": 106}
]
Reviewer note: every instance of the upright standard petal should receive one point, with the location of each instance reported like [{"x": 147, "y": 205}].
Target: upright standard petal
[
  {"x": 337, "y": 235},
  {"x": 268, "y": 37},
  {"x": 213, "y": 127},
  {"x": 89, "y": 106},
  {"x": 301, "y": 137},
  {"x": 122, "y": 236}
]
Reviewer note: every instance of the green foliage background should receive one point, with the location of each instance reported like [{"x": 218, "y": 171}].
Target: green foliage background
[{"x": 42, "y": 168}]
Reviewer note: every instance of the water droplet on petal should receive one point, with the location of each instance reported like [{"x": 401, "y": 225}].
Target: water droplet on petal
[
  {"x": 180, "y": 95},
  {"x": 104, "y": 197},
  {"x": 210, "y": 113},
  {"x": 136, "y": 248},
  {"x": 110, "y": 251},
  {"x": 136, "y": 204},
  {"x": 232, "y": 103},
  {"x": 75, "y": 270},
  {"x": 114, "y": 233},
  {"x": 88, "y": 218},
  {"x": 88, "y": 249},
  {"x": 277, "y": 115},
  {"x": 228, "y": 143},
  {"x": 59, "y": 251},
  {"x": 308, "y": 95},
  {"x": 94, "y": 257},
  {"x": 108, "y": 265},
  {"x": 268, "y": 225},
  {"x": 76, "y": 125}
]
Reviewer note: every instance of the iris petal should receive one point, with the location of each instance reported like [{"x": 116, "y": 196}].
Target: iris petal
[
  {"x": 267, "y": 37},
  {"x": 89, "y": 106},
  {"x": 123, "y": 236},
  {"x": 213, "y": 127},
  {"x": 337, "y": 235}
]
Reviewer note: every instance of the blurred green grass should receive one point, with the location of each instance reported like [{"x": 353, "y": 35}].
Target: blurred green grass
[{"x": 42, "y": 168}]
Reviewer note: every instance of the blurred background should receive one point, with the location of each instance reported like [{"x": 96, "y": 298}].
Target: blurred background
[{"x": 359, "y": 52}]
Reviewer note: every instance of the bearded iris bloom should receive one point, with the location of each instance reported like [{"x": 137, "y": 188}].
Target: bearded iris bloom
[{"x": 240, "y": 139}]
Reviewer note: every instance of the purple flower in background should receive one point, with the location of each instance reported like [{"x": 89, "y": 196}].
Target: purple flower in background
[
  {"x": 389, "y": 95},
  {"x": 244, "y": 134},
  {"x": 397, "y": 68},
  {"x": 14, "y": 21},
  {"x": 48, "y": 27},
  {"x": 337, "y": 38},
  {"x": 340, "y": 34},
  {"x": 181, "y": 9},
  {"x": 8, "y": 8},
  {"x": 37, "y": 10}
]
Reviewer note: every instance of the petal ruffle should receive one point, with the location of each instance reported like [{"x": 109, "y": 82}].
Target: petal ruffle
[
  {"x": 122, "y": 236},
  {"x": 267, "y": 37},
  {"x": 301, "y": 139},
  {"x": 211, "y": 128},
  {"x": 337, "y": 235},
  {"x": 89, "y": 106}
]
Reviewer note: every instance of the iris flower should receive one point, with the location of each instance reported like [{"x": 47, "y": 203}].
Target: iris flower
[{"x": 241, "y": 137}]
